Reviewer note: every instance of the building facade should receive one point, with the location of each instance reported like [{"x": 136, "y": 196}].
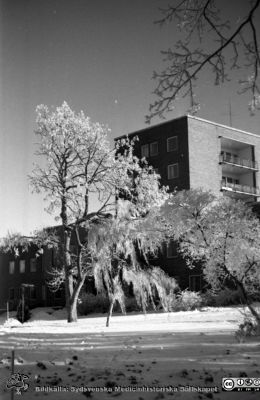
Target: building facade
[
  {"x": 31, "y": 271},
  {"x": 190, "y": 152}
]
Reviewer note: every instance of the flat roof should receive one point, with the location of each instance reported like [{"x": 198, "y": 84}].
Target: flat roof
[
  {"x": 223, "y": 126},
  {"x": 192, "y": 117},
  {"x": 150, "y": 127}
]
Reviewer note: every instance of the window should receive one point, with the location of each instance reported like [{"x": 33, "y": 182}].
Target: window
[
  {"x": 11, "y": 293},
  {"x": 229, "y": 179},
  {"x": 11, "y": 267},
  {"x": 173, "y": 171},
  {"x": 43, "y": 292},
  {"x": 172, "y": 249},
  {"x": 33, "y": 265},
  {"x": 172, "y": 143},
  {"x": 22, "y": 266},
  {"x": 230, "y": 157},
  {"x": 33, "y": 292},
  {"x": 145, "y": 150},
  {"x": 153, "y": 149},
  {"x": 195, "y": 283},
  {"x": 149, "y": 149}
]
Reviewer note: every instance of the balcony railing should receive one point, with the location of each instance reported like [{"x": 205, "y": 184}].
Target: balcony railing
[
  {"x": 234, "y": 187},
  {"x": 234, "y": 160}
]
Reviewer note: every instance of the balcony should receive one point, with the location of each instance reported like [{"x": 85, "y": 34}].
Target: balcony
[
  {"x": 241, "y": 189},
  {"x": 238, "y": 162}
]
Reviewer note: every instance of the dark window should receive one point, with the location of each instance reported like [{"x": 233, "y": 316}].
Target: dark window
[
  {"x": 195, "y": 283},
  {"x": 43, "y": 292},
  {"x": 153, "y": 149},
  {"x": 33, "y": 265},
  {"x": 33, "y": 294},
  {"x": 172, "y": 143},
  {"x": 11, "y": 293},
  {"x": 11, "y": 267},
  {"x": 22, "y": 266},
  {"x": 172, "y": 249},
  {"x": 229, "y": 179},
  {"x": 145, "y": 150},
  {"x": 228, "y": 156},
  {"x": 173, "y": 171}
]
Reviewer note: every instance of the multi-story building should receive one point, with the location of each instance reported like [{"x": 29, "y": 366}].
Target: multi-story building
[
  {"x": 29, "y": 270},
  {"x": 190, "y": 152}
]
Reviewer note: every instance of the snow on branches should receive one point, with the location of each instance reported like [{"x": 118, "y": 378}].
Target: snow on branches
[{"x": 78, "y": 166}]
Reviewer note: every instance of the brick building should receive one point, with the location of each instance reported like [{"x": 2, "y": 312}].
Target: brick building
[
  {"x": 29, "y": 269},
  {"x": 190, "y": 152},
  {"x": 32, "y": 270}
]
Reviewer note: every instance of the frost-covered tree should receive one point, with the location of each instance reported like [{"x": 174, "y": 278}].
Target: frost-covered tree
[
  {"x": 120, "y": 246},
  {"x": 78, "y": 167},
  {"x": 210, "y": 42},
  {"x": 223, "y": 235}
]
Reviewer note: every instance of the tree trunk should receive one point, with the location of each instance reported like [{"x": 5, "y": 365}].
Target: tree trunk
[
  {"x": 249, "y": 305},
  {"x": 69, "y": 289},
  {"x": 72, "y": 299},
  {"x": 110, "y": 311},
  {"x": 72, "y": 311},
  {"x": 71, "y": 302}
]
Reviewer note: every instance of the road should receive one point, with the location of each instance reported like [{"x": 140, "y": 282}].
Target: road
[{"x": 106, "y": 360}]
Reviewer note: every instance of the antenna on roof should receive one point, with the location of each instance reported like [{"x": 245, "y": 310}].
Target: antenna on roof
[{"x": 230, "y": 113}]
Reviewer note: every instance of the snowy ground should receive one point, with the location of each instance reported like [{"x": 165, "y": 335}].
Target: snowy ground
[{"x": 180, "y": 355}]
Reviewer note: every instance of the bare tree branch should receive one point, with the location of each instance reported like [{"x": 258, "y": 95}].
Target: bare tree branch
[{"x": 185, "y": 63}]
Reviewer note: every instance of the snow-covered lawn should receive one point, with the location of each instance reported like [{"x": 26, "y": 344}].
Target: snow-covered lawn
[{"x": 172, "y": 355}]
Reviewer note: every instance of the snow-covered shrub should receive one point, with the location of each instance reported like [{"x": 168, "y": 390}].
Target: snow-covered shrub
[
  {"x": 222, "y": 298},
  {"x": 11, "y": 323},
  {"x": 173, "y": 302},
  {"x": 189, "y": 300},
  {"x": 91, "y": 303},
  {"x": 184, "y": 301}
]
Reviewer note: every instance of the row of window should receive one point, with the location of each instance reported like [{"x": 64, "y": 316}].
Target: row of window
[
  {"x": 172, "y": 171},
  {"x": 152, "y": 149},
  {"x": 229, "y": 179},
  {"x": 228, "y": 155},
  {"x": 171, "y": 250},
  {"x": 195, "y": 282},
  {"x": 31, "y": 293},
  {"x": 33, "y": 266}
]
